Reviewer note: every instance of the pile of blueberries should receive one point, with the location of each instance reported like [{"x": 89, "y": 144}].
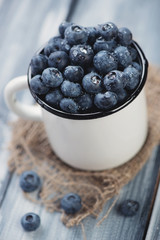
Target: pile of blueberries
[{"x": 86, "y": 69}]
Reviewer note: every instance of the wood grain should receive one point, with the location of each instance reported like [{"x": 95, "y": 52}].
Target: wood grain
[
  {"x": 153, "y": 232},
  {"x": 115, "y": 227},
  {"x": 22, "y": 33}
]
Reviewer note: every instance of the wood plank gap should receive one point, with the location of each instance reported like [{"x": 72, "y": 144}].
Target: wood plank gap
[
  {"x": 153, "y": 197},
  {"x": 72, "y": 8},
  {"x": 5, "y": 185}
]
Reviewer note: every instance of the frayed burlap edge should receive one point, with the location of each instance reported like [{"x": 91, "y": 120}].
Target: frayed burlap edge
[{"x": 30, "y": 149}]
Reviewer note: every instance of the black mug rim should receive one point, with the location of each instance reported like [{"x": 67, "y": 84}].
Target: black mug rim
[{"x": 98, "y": 114}]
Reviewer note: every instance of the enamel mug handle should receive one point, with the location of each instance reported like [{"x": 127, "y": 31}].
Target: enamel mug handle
[{"x": 32, "y": 112}]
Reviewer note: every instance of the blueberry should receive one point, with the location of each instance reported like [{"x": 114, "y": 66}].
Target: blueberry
[
  {"x": 105, "y": 101},
  {"x": 85, "y": 102},
  {"x": 52, "y": 77},
  {"x": 63, "y": 26},
  {"x": 133, "y": 52},
  {"x": 92, "y": 34},
  {"x": 48, "y": 49},
  {"x": 54, "y": 39},
  {"x": 76, "y": 34},
  {"x": 29, "y": 181},
  {"x": 81, "y": 55},
  {"x": 123, "y": 56},
  {"x": 54, "y": 97},
  {"x": 30, "y": 222},
  {"x": 114, "y": 81},
  {"x": 92, "y": 83},
  {"x": 71, "y": 203},
  {"x": 108, "y": 30},
  {"x": 124, "y": 36},
  {"x": 74, "y": 73},
  {"x": 38, "y": 64},
  {"x": 57, "y": 45},
  {"x": 65, "y": 46},
  {"x": 137, "y": 66},
  {"x": 121, "y": 94},
  {"x": 58, "y": 60},
  {"x": 102, "y": 44},
  {"x": 68, "y": 105},
  {"x": 71, "y": 89},
  {"x": 105, "y": 62},
  {"x": 129, "y": 208},
  {"x": 37, "y": 85},
  {"x": 132, "y": 76},
  {"x": 53, "y": 45}
]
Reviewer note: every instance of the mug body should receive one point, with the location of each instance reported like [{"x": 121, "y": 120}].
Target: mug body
[{"x": 100, "y": 143}]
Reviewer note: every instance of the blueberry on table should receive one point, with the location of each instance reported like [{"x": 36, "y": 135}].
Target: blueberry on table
[
  {"x": 123, "y": 56},
  {"x": 38, "y": 64},
  {"x": 114, "y": 81},
  {"x": 71, "y": 203},
  {"x": 85, "y": 102},
  {"x": 63, "y": 26},
  {"x": 132, "y": 76},
  {"x": 101, "y": 44},
  {"x": 105, "y": 101},
  {"x": 81, "y": 55},
  {"x": 108, "y": 30},
  {"x": 37, "y": 86},
  {"x": 92, "y": 83},
  {"x": 54, "y": 97},
  {"x": 68, "y": 105},
  {"x": 124, "y": 36},
  {"x": 29, "y": 181},
  {"x": 74, "y": 73},
  {"x": 30, "y": 222},
  {"x": 76, "y": 34},
  {"x": 52, "y": 77},
  {"x": 58, "y": 59},
  {"x": 105, "y": 62},
  {"x": 71, "y": 89},
  {"x": 129, "y": 208}
]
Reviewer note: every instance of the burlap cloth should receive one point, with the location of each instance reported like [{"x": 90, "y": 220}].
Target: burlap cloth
[{"x": 30, "y": 150}]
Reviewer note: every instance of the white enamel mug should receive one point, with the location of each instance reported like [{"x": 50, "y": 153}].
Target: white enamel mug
[{"x": 92, "y": 141}]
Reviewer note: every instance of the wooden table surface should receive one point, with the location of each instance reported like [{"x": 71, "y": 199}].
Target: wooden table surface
[{"x": 24, "y": 27}]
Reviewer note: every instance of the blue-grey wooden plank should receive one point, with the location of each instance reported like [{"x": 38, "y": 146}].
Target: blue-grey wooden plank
[
  {"x": 115, "y": 227},
  {"x": 23, "y": 24},
  {"x": 153, "y": 232},
  {"x": 140, "y": 189}
]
